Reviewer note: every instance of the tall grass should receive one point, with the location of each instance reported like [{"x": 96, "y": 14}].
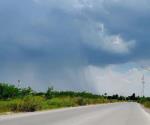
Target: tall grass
[
  {"x": 27, "y": 104},
  {"x": 36, "y": 103},
  {"x": 14, "y": 99},
  {"x": 147, "y": 104}
]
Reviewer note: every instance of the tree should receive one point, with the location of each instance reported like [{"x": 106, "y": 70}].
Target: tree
[
  {"x": 49, "y": 93},
  {"x": 133, "y": 97},
  {"x": 8, "y": 91},
  {"x": 26, "y": 91},
  {"x": 105, "y": 94}
]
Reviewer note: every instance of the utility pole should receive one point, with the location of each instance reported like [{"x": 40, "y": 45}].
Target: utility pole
[
  {"x": 143, "y": 85},
  {"x": 145, "y": 68},
  {"x": 19, "y": 83}
]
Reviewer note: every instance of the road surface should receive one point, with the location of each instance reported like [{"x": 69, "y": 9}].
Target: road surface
[{"x": 107, "y": 114}]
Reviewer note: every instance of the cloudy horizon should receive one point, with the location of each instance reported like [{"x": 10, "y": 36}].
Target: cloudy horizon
[{"x": 82, "y": 45}]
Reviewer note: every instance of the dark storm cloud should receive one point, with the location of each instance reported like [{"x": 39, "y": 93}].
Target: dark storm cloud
[{"x": 53, "y": 41}]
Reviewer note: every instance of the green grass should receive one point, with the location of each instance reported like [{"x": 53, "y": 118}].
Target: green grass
[
  {"x": 146, "y": 104},
  {"x": 4, "y": 106},
  {"x": 26, "y": 104},
  {"x": 37, "y": 103}
]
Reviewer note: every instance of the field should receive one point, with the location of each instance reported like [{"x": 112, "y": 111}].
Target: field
[
  {"x": 36, "y": 103},
  {"x": 15, "y": 99}
]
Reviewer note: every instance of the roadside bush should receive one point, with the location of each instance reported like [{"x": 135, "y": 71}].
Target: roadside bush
[
  {"x": 81, "y": 101},
  {"x": 147, "y": 104},
  {"x": 28, "y": 104},
  {"x": 62, "y": 102},
  {"x": 4, "y": 106}
]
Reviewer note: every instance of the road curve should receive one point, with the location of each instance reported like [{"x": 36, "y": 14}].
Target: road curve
[{"x": 107, "y": 114}]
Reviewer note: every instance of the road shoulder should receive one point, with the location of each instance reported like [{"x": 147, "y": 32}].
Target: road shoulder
[{"x": 147, "y": 110}]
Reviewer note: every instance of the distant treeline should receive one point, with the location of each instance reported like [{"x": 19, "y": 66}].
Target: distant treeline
[{"x": 8, "y": 91}]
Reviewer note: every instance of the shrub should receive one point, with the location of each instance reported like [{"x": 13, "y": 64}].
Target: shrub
[
  {"x": 4, "y": 106},
  {"x": 28, "y": 104},
  {"x": 147, "y": 104},
  {"x": 62, "y": 102},
  {"x": 81, "y": 101},
  {"x": 49, "y": 93}
]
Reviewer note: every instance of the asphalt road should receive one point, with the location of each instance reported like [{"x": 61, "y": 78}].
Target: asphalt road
[{"x": 110, "y": 114}]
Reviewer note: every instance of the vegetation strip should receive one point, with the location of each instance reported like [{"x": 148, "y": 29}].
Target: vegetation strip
[{"x": 16, "y": 99}]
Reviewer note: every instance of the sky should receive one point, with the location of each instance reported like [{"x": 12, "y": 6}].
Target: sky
[{"x": 81, "y": 45}]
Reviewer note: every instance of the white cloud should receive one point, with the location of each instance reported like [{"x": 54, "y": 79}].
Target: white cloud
[
  {"x": 110, "y": 80},
  {"x": 96, "y": 35},
  {"x": 116, "y": 44}
]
